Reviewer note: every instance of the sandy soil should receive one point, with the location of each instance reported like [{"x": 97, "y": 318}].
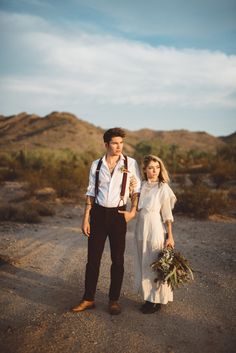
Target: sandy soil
[{"x": 44, "y": 279}]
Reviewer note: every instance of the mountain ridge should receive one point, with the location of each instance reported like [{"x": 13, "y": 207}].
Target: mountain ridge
[{"x": 63, "y": 130}]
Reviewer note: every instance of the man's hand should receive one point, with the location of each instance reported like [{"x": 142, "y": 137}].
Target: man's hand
[
  {"x": 85, "y": 224},
  {"x": 86, "y": 228}
]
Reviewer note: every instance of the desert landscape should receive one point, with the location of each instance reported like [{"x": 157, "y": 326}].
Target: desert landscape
[
  {"x": 165, "y": 73},
  {"x": 43, "y": 252},
  {"x": 42, "y": 277}
]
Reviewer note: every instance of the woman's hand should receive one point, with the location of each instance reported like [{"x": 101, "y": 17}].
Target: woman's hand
[
  {"x": 170, "y": 242},
  {"x": 132, "y": 185},
  {"x": 170, "y": 239},
  {"x": 128, "y": 215}
]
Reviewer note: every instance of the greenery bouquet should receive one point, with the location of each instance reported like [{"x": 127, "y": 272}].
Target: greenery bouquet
[{"x": 172, "y": 267}]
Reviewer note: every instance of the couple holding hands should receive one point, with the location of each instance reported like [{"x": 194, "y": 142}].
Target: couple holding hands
[{"x": 112, "y": 180}]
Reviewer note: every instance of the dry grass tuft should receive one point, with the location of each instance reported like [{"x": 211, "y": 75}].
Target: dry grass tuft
[{"x": 27, "y": 212}]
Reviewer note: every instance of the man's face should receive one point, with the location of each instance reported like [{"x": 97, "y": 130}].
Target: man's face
[{"x": 115, "y": 146}]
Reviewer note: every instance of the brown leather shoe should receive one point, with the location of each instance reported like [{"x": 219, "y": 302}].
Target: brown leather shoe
[
  {"x": 84, "y": 305},
  {"x": 114, "y": 307}
]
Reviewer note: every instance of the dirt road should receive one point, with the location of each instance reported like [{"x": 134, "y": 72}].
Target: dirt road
[{"x": 45, "y": 279}]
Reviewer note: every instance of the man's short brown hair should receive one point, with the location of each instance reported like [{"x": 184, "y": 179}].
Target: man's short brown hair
[{"x": 114, "y": 132}]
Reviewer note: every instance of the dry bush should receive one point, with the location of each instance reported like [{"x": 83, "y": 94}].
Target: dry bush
[
  {"x": 201, "y": 202},
  {"x": 7, "y": 212},
  {"x": 9, "y": 167},
  {"x": 65, "y": 171},
  {"x": 196, "y": 178},
  {"x": 67, "y": 178},
  {"x": 42, "y": 208},
  {"x": 223, "y": 171},
  {"x": 20, "y": 213},
  {"x": 26, "y": 214},
  {"x": 232, "y": 194}
]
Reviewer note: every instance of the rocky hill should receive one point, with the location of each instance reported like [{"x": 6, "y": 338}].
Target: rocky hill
[
  {"x": 61, "y": 130},
  {"x": 230, "y": 139},
  {"x": 184, "y": 139},
  {"x": 54, "y": 131}
]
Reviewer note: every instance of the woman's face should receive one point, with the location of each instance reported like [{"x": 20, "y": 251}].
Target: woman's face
[{"x": 152, "y": 171}]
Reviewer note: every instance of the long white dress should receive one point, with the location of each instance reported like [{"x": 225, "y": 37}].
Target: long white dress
[{"x": 155, "y": 208}]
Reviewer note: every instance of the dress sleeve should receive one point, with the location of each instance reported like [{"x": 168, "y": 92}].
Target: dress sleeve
[{"x": 168, "y": 203}]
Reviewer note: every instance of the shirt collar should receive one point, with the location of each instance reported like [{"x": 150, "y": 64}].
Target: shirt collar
[{"x": 122, "y": 157}]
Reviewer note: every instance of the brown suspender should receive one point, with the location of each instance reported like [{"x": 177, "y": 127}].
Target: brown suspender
[{"x": 124, "y": 180}]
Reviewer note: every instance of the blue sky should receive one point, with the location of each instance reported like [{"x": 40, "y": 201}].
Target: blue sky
[{"x": 154, "y": 64}]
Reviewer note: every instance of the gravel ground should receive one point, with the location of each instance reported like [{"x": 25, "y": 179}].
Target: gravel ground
[{"x": 42, "y": 277}]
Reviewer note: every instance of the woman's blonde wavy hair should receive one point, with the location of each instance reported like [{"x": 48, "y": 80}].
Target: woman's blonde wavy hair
[{"x": 163, "y": 176}]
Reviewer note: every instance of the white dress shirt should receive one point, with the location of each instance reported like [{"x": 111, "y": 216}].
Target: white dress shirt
[{"x": 109, "y": 186}]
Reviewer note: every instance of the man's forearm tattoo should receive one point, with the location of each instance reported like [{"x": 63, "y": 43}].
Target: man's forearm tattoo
[{"x": 134, "y": 200}]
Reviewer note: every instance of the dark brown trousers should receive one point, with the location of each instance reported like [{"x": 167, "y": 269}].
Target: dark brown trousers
[{"x": 105, "y": 222}]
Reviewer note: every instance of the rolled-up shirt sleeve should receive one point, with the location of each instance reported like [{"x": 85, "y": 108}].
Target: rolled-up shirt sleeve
[
  {"x": 136, "y": 174},
  {"x": 91, "y": 184}
]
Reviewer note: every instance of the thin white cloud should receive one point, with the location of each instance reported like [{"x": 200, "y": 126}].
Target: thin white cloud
[
  {"x": 15, "y": 22},
  {"x": 183, "y": 18},
  {"x": 108, "y": 70}
]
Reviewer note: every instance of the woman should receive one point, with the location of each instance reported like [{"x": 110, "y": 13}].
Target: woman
[{"x": 153, "y": 232}]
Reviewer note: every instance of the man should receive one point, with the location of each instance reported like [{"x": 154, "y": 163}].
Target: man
[{"x": 105, "y": 215}]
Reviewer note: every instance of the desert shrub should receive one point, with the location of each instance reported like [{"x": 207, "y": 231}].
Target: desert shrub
[
  {"x": 27, "y": 215},
  {"x": 170, "y": 154},
  {"x": 9, "y": 166},
  {"x": 42, "y": 208},
  {"x": 223, "y": 171},
  {"x": 196, "y": 161},
  {"x": 227, "y": 153},
  {"x": 65, "y": 171},
  {"x": 9, "y": 172},
  {"x": 232, "y": 194},
  {"x": 7, "y": 212},
  {"x": 179, "y": 179},
  {"x": 176, "y": 159},
  {"x": 19, "y": 213},
  {"x": 201, "y": 202},
  {"x": 68, "y": 177},
  {"x": 35, "y": 180},
  {"x": 196, "y": 178}
]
